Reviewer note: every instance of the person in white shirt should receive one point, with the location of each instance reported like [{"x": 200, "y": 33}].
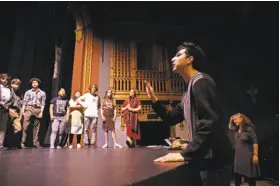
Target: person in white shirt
[
  {"x": 91, "y": 103},
  {"x": 6, "y": 101}
]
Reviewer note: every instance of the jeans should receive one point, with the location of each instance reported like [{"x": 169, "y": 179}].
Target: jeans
[{"x": 90, "y": 123}]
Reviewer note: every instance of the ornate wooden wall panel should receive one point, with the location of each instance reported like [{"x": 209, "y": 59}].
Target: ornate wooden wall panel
[
  {"x": 125, "y": 76},
  {"x": 87, "y": 60},
  {"x": 122, "y": 67}
]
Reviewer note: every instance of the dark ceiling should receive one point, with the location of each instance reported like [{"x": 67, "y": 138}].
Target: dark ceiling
[{"x": 180, "y": 13}]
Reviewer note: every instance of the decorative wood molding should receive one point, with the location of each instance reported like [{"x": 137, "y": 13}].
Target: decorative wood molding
[
  {"x": 87, "y": 60},
  {"x": 133, "y": 59},
  {"x": 112, "y": 63},
  {"x": 79, "y": 34}
]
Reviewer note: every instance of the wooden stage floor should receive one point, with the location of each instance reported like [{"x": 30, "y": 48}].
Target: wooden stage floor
[
  {"x": 80, "y": 167},
  {"x": 87, "y": 167}
]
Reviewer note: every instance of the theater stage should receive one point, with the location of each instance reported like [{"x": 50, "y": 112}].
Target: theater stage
[
  {"x": 81, "y": 167},
  {"x": 91, "y": 167}
]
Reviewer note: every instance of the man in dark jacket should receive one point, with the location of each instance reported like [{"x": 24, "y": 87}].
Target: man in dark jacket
[{"x": 208, "y": 146}]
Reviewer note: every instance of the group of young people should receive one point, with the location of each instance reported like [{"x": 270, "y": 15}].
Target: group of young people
[
  {"x": 80, "y": 114},
  {"x": 82, "y": 111},
  {"x": 208, "y": 150},
  {"x": 20, "y": 109}
]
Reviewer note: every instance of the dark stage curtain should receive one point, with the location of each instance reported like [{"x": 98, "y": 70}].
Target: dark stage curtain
[
  {"x": 39, "y": 27},
  {"x": 67, "y": 43},
  {"x": 7, "y": 19}
]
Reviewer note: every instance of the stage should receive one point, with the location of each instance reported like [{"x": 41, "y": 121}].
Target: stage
[
  {"x": 91, "y": 167},
  {"x": 84, "y": 167}
]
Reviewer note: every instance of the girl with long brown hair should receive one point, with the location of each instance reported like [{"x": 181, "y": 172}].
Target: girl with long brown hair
[
  {"x": 246, "y": 161},
  {"x": 109, "y": 114},
  {"x": 130, "y": 109}
]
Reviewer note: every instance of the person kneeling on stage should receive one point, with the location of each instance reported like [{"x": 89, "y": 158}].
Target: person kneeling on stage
[
  {"x": 59, "y": 114},
  {"x": 15, "y": 109},
  {"x": 14, "y": 113}
]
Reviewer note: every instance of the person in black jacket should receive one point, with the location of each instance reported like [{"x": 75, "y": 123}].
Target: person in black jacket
[{"x": 208, "y": 147}]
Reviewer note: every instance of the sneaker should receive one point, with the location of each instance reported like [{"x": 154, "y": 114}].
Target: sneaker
[
  {"x": 78, "y": 145},
  {"x": 128, "y": 144},
  {"x": 117, "y": 146},
  {"x": 58, "y": 147},
  {"x": 52, "y": 147},
  {"x": 22, "y": 146},
  {"x": 105, "y": 146},
  {"x": 38, "y": 146},
  {"x": 3, "y": 148},
  {"x": 70, "y": 146}
]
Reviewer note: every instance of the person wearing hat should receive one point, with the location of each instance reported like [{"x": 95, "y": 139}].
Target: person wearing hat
[
  {"x": 33, "y": 105},
  {"x": 6, "y": 101}
]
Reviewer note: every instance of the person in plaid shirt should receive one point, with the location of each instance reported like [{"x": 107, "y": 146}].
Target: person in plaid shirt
[{"x": 33, "y": 105}]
